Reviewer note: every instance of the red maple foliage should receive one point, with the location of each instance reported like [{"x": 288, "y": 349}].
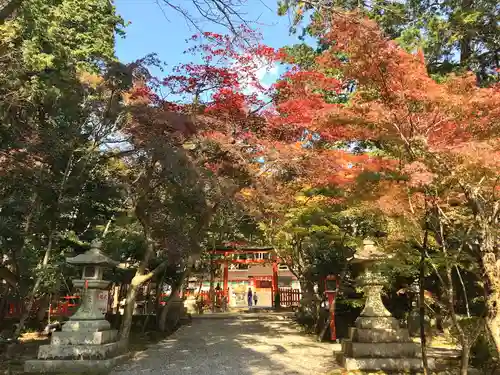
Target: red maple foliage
[
  {"x": 227, "y": 71},
  {"x": 395, "y": 101},
  {"x": 443, "y": 136}
]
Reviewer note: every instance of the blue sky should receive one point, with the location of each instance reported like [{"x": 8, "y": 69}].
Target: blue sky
[{"x": 163, "y": 31}]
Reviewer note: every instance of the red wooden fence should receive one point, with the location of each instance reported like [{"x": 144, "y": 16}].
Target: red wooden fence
[
  {"x": 66, "y": 308},
  {"x": 205, "y": 295},
  {"x": 62, "y": 308},
  {"x": 289, "y": 297}
]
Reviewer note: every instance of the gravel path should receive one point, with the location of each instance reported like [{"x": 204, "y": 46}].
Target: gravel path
[{"x": 245, "y": 346}]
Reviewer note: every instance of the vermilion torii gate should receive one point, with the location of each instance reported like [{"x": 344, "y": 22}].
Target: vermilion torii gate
[{"x": 243, "y": 254}]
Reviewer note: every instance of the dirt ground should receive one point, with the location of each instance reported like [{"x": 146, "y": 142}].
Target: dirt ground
[{"x": 12, "y": 362}]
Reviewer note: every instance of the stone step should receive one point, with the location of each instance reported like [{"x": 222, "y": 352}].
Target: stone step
[
  {"x": 379, "y": 335},
  {"x": 86, "y": 325},
  {"x": 89, "y": 366},
  {"x": 80, "y": 352},
  {"x": 377, "y": 322},
  {"x": 385, "y": 364},
  {"x": 381, "y": 349},
  {"x": 84, "y": 338}
]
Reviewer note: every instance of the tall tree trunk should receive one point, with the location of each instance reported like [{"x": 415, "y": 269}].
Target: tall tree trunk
[
  {"x": 493, "y": 319},
  {"x": 464, "y": 342},
  {"x": 3, "y": 301},
  {"x": 141, "y": 276},
  {"x": 48, "y": 250},
  {"x": 491, "y": 266},
  {"x": 490, "y": 262},
  {"x": 309, "y": 302},
  {"x": 466, "y": 41},
  {"x": 450, "y": 296},
  {"x": 42, "y": 308},
  {"x": 464, "y": 291},
  {"x": 32, "y": 295},
  {"x": 421, "y": 302}
]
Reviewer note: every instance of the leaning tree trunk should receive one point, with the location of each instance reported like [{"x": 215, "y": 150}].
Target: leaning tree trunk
[
  {"x": 141, "y": 275},
  {"x": 162, "y": 322},
  {"x": 128, "y": 311},
  {"x": 139, "y": 279}
]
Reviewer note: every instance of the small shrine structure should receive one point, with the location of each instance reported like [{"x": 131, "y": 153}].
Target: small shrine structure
[{"x": 234, "y": 256}]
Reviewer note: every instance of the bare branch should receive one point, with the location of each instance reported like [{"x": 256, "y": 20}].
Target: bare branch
[{"x": 226, "y": 13}]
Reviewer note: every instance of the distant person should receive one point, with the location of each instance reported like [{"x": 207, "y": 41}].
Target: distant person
[
  {"x": 224, "y": 303},
  {"x": 249, "y": 297},
  {"x": 218, "y": 295},
  {"x": 255, "y": 299}
]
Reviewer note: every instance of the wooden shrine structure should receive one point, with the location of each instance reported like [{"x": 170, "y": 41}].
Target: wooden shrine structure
[{"x": 235, "y": 254}]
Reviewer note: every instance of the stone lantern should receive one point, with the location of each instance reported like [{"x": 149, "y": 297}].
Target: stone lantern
[
  {"x": 86, "y": 342},
  {"x": 377, "y": 342},
  {"x": 90, "y": 314},
  {"x": 371, "y": 279}
]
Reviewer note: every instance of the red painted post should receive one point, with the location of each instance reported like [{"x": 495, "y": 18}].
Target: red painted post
[
  {"x": 331, "y": 292},
  {"x": 226, "y": 279},
  {"x": 274, "y": 283},
  {"x": 333, "y": 333}
]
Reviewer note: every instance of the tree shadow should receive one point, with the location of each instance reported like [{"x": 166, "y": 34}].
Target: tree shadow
[{"x": 245, "y": 346}]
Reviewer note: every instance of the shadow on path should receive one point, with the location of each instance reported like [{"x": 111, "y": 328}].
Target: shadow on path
[{"x": 246, "y": 346}]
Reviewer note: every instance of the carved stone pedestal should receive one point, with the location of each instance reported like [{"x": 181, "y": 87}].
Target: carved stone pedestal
[
  {"x": 378, "y": 343},
  {"x": 86, "y": 343}
]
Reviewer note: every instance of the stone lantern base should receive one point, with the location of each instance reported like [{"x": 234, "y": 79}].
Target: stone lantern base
[
  {"x": 86, "y": 343},
  {"x": 378, "y": 343},
  {"x": 81, "y": 346}
]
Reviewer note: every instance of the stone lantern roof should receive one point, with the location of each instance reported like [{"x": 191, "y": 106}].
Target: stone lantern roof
[
  {"x": 94, "y": 256},
  {"x": 369, "y": 252}
]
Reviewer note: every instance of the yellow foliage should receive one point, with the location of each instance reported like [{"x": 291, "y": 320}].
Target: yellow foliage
[
  {"x": 246, "y": 192},
  {"x": 300, "y": 198},
  {"x": 90, "y": 79}
]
